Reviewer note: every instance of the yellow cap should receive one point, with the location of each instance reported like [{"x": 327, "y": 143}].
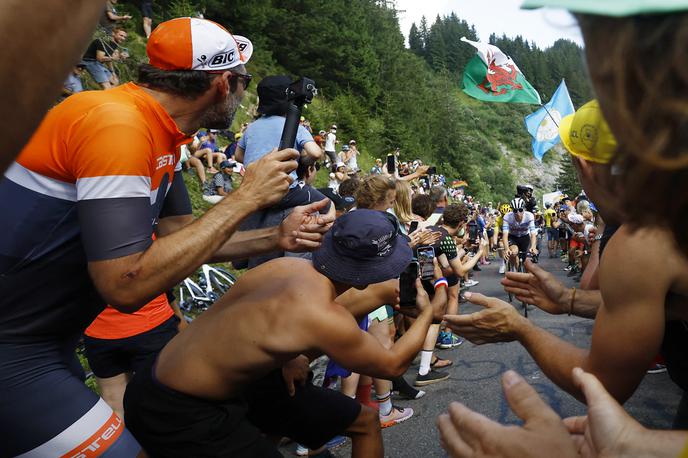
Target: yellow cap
[
  {"x": 238, "y": 135},
  {"x": 586, "y": 134}
]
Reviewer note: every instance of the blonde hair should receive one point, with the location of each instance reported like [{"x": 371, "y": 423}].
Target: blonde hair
[
  {"x": 402, "y": 202},
  {"x": 373, "y": 190}
]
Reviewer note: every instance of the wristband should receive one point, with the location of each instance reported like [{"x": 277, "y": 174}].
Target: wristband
[
  {"x": 573, "y": 298},
  {"x": 441, "y": 282}
]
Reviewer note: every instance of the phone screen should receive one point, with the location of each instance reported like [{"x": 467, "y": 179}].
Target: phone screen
[
  {"x": 407, "y": 285},
  {"x": 413, "y": 227},
  {"x": 390, "y": 164},
  {"x": 425, "y": 256}
]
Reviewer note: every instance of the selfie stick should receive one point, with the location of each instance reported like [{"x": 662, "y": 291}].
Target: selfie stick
[{"x": 299, "y": 93}]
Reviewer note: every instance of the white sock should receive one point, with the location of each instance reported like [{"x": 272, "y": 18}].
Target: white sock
[
  {"x": 503, "y": 263},
  {"x": 385, "y": 403},
  {"x": 425, "y": 360}
]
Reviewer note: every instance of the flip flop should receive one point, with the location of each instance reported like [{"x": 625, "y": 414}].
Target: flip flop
[{"x": 439, "y": 363}]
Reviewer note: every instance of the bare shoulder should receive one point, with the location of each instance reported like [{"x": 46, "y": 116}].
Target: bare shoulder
[{"x": 634, "y": 264}]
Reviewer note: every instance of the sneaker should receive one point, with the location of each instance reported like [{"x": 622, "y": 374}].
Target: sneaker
[
  {"x": 456, "y": 340},
  {"x": 336, "y": 441},
  {"x": 401, "y": 386},
  {"x": 502, "y": 269},
  {"x": 470, "y": 283},
  {"x": 449, "y": 340},
  {"x": 431, "y": 377},
  {"x": 568, "y": 268},
  {"x": 441, "y": 338},
  {"x": 397, "y": 415},
  {"x": 477, "y": 268},
  {"x": 657, "y": 369}
]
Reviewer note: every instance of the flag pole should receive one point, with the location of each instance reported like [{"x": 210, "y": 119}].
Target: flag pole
[{"x": 550, "y": 115}]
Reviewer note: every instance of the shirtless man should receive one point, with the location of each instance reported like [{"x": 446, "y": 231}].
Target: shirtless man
[
  {"x": 191, "y": 403},
  {"x": 640, "y": 304}
]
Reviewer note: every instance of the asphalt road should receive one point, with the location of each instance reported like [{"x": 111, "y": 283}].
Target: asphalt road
[{"x": 475, "y": 380}]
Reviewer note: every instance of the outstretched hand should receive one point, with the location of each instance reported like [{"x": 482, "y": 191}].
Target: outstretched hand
[
  {"x": 304, "y": 228},
  {"x": 465, "y": 433},
  {"x": 537, "y": 287},
  {"x": 497, "y": 322}
]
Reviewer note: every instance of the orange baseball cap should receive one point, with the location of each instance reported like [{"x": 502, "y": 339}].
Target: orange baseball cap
[{"x": 196, "y": 44}]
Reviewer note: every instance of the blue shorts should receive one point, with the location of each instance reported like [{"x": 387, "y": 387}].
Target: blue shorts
[
  {"x": 98, "y": 71},
  {"x": 147, "y": 8},
  {"x": 552, "y": 233},
  {"x": 47, "y": 410}
]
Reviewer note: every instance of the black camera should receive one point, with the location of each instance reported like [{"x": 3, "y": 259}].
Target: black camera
[{"x": 299, "y": 93}]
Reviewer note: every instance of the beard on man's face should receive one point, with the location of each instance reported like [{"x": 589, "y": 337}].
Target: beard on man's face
[{"x": 221, "y": 115}]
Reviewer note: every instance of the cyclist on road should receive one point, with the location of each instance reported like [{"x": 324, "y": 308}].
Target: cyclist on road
[
  {"x": 518, "y": 231},
  {"x": 79, "y": 206}
]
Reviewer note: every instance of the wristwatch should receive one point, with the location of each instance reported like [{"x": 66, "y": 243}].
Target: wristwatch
[{"x": 598, "y": 237}]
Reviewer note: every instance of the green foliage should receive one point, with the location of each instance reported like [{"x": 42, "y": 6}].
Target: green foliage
[{"x": 567, "y": 181}]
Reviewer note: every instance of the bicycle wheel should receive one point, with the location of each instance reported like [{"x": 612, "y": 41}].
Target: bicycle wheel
[
  {"x": 510, "y": 267},
  {"x": 522, "y": 269}
]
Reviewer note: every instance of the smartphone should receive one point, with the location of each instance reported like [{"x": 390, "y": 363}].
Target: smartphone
[
  {"x": 391, "y": 165},
  {"x": 407, "y": 285},
  {"x": 432, "y": 170},
  {"x": 413, "y": 227},
  {"x": 425, "y": 256}
]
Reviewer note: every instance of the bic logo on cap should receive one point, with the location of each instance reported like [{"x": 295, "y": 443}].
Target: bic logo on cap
[{"x": 222, "y": 60}]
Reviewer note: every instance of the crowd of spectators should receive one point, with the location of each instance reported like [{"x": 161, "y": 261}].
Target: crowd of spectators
[{"x": 135, "y": 237}]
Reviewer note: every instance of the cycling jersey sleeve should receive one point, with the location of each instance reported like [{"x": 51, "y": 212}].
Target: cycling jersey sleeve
[
  {"x": 531, "y": 227},
  {"x": 112, "y": 169},
  {"x": 505, "y": 224},
  {"x": 177, "y": 201},
  {"x": 448, "y": 247}
]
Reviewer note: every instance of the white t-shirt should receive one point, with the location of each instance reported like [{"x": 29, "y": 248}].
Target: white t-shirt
[{"x": 330, "y": 141}]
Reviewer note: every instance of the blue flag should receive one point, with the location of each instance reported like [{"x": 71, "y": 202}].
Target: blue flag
[{"x": 543, "y": 125}]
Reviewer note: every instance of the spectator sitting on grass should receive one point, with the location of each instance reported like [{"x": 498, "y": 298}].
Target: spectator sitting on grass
[
  {"x": 220, "y": 184},
  {"x": 73, "y": 83},
  {"x": 207, "y": 147}
]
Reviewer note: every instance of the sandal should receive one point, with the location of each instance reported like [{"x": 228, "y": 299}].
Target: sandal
[{"x": 439, "y": 363}]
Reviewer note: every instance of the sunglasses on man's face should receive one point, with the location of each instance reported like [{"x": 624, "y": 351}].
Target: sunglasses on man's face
[
  {"x": 520, "y": 210},
  {"x": 244, "y": 77}
]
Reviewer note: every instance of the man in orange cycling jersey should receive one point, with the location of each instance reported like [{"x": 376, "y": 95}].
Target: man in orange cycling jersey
[{"x": 79, "y": 205}]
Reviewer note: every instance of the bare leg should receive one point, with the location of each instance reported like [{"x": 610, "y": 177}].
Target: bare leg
[
  {"x": 350, "y": 384},
  {"x": 147, "y": 25},
  {"x": 112, "y": 391},
  {"x": 366, "y": 438},
  {"x": 200, "y": 170}
]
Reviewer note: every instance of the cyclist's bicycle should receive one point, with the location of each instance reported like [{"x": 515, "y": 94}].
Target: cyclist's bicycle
[
  {"x": 520, "y": 267},
  {"x": 197, "y": 297}
]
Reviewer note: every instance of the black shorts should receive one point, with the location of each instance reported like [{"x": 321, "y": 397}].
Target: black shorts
[
  {"x": 147, "y": 8},
  {"x": 110, "y": 357},
  {"x": 171, "y": 424},
  {"x": 522, "y": 242},
  {"x": 313, "y": 416}
]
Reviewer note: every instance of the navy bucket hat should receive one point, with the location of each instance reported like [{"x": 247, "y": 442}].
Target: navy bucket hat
[{"x": 363, "y": 247}]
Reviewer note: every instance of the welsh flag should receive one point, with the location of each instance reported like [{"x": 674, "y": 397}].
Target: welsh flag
[{"x": 492, "y": 76}]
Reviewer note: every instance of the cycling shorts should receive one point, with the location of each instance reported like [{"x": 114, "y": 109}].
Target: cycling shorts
[
  {"x": 111, "y": 357},
  {"x": 523, "y": 242},
  {"x": 47, "y": 410},
  {"x": 552, "y": 233}
]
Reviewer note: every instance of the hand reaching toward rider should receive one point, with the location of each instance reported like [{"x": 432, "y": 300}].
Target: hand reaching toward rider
[
  {"x": 497, "y": 322},
  {"x": 465, "y": 433},
  {"x": 304, "y": 228},
  {"x": 424, "y": 237},
  {"x": 537, "y": 287}
]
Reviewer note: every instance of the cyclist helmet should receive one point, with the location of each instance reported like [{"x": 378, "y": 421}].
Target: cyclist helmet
[
  {"x": 504, "y": 209},
  {"x": 518, "y": 203}
]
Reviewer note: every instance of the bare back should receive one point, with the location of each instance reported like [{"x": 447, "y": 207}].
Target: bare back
[{"x": 256, "y": 327}]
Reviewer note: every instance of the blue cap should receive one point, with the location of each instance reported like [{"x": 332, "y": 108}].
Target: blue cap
[{"x": 363, "y": 247}]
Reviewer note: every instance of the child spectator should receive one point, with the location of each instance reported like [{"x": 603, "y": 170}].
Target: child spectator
[
  {"x": 73, "y": 83},
  {"x": 220, "y": 185}
]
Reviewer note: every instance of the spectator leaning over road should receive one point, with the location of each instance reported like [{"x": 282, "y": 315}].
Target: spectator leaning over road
[
  {"x": 220, "y": 184},
  {"x": 97, "y": 175},
  {"x": 101, "y": 55}
]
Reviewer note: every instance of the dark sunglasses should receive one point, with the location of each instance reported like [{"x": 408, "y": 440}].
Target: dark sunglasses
[
  {"x": 520, "y": 210},
  {"x": 244, "y": 77}
]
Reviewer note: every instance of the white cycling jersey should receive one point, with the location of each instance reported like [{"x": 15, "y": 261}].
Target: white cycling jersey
[{"x": 519, "y": 229}]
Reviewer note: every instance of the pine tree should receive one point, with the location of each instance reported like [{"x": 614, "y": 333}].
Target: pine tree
[
  {"x": 416, "y": 43},
  {"x": 567, "y": 181}
]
